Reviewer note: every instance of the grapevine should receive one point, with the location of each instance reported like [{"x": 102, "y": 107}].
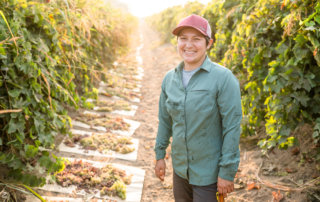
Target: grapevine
[{"x": 51, "y": 57}]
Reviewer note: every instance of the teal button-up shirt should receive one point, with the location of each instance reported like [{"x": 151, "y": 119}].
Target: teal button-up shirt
[{"x": 203, "y": 120}]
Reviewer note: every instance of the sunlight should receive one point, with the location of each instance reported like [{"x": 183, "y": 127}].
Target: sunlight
[{"x": 143, "y": 8}]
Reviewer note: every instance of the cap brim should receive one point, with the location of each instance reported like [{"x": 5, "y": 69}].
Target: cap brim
[{"x": 177, "y": 30}]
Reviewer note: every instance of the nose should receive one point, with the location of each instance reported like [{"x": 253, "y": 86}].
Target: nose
[{"x": 189, "y": 43}]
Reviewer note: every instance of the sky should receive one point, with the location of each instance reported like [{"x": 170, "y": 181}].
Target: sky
[{"x": 143, "y": 8}]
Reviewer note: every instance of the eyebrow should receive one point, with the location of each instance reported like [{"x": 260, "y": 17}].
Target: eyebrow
[{"x": 197, "y": 35}]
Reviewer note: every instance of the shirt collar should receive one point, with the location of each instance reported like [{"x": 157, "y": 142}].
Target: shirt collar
[{"x": 205, "y": 65}]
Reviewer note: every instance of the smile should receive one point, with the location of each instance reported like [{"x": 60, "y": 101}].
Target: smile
[{"x": 189, "y": 52}]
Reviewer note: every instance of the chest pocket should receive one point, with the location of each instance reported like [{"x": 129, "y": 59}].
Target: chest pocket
[
  {"x": 175, "y": 109},
  {"x": 201, "y": 101}
]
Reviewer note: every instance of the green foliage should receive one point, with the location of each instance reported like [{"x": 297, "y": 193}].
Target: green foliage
[
  {"x": 168, "y": 19},
  {"x": 316, "y": 133},
  {"x": 51, "y": 55},
  {"x": 223, "y": 18},
  {"x": 273, "y": 48}
]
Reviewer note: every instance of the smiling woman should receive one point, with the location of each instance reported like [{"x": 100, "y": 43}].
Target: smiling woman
[
  {"x": 200, "y": 109},
  {"x": 143, "y": 8}
]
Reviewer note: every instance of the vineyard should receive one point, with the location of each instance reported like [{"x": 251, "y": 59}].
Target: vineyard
[
  {"x": 53, "y": 54},
  {"x": 69, "y": 82}
]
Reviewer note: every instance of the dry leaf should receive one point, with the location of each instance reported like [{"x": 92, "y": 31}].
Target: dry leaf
[
  {"x": 253, "y": 185},
  {"x": 309, "y": 160},
  {"x": 250, "y": 186},
  {"x": 289, "y": 170},
  {"x": 167, "y": 186},
  {"x": 295, "y": 151},
  {"x": 147, "y": 147},
  {"x": 277, "y": 196}
]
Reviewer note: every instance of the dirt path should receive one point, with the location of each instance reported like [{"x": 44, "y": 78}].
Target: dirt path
[{"x": 157, "y": 60}]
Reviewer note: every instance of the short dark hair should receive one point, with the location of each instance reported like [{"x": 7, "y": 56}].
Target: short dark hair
[{"x": 207, "y": 40}]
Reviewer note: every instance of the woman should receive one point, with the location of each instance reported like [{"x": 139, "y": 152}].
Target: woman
[{"x": 200, "y": 108}]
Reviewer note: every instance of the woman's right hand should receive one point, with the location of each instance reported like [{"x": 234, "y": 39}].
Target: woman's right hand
[{"x": 160, "y": 169}]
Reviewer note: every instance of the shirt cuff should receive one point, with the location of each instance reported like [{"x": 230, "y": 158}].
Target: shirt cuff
[
  {"x": 160, "y": 154},
  {"x": 228, "y": 173}
]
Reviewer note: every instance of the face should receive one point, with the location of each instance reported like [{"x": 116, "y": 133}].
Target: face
[{"x": 192, "y": 47}]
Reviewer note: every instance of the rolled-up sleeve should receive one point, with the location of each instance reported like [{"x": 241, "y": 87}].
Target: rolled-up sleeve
[
  {"x": 229, "y": 103},
  {"x": 164, "y": 127}
]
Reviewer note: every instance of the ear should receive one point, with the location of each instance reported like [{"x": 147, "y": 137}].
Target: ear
[{"x": 210, "y": 44}]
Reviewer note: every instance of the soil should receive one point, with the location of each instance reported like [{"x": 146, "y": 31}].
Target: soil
[{"x": 157, "y": 60}]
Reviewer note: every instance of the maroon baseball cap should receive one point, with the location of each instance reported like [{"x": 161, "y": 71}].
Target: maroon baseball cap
[{"x": 194, "y": 21}]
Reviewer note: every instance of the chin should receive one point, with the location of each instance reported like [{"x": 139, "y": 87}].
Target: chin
[{"x": 189, "y": 60}]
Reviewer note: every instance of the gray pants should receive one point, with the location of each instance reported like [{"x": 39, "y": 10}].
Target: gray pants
[{"x": 185, "y": 192}]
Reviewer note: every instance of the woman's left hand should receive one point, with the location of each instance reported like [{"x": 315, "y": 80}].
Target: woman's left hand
[{"x": 225, "y": 186}]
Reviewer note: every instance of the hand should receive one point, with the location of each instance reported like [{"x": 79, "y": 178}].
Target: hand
[
  {"x": 225, "y": 186},
  {"x": 160, "y": 169}
]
